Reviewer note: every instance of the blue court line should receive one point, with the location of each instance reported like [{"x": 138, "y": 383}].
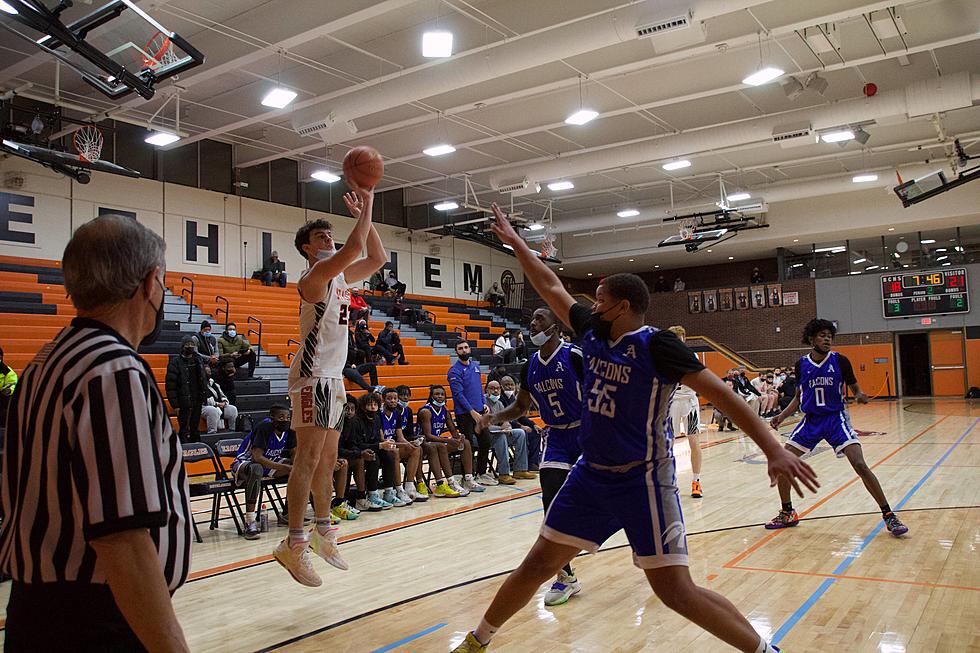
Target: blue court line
[
  {"x": 853, "y": 555},
  {"x": 410, "y": 638},
  {"x": 525, "y": 514}
]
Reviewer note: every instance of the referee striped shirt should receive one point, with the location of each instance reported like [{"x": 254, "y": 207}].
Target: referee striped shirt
[{"x": 89, "y": 452}]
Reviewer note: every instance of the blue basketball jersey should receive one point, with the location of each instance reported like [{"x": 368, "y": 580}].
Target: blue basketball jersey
[
  {"x": 406, "y": 422},
  {"x": 439, "y": 418},
  {"x": 556, "y": 385},
  {"x": 822, "y": 385},
  {"x": 389, "y": 424}
]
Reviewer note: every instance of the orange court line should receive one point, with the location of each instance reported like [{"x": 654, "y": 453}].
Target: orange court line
[
  {"x": 867, "y": 578},
  {"x": 768, "y": 538},
  {"x": 240, "y": 564}
]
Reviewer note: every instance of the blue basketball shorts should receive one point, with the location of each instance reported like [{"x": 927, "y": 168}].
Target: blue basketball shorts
[
  {"x": 561, "y": 448},
  {"x": 835, "y": 428},
  {"x": 595, "y": 504}
]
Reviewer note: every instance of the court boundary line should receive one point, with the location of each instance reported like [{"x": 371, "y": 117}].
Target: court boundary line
[{"x": 831, "y": 575}]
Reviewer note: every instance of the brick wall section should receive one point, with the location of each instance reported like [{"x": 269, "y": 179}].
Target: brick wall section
[{"x": 696, "y": 278}]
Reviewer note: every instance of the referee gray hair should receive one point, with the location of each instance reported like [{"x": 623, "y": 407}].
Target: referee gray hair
[{"x": 106, "y": 260}]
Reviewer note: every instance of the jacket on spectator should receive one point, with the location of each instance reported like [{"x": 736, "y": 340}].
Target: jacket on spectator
[
  {"x": 466, "y": 384},
  {"x": 389, "y": 338},
  {"x": 228, "y": 345},
  {"x": 185, "y": 382},
  {"x": 8, "y": 380},
  {"x": 357, "y": 302},
  {"x": 207, "y": 345},
  {"x": 360, "y": 433},
  {"x": 215, "y": 395},
  {"x": 227, "y": 385}
]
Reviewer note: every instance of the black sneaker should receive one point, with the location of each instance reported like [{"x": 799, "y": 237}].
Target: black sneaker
[
  {"x": 252, "y": 531},
  {"x": 895, "y": 525}
]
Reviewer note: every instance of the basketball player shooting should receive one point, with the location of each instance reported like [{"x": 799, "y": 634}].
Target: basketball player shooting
[
  {"x": 625, "y": 478},
  {"x": 316, "y": 386}
]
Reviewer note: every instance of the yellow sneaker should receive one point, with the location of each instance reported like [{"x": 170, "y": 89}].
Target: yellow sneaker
[
  {"x": 443, "y": 490},
  {"x": 423, "y": 491},
  {"x": 470, "y": 645}
]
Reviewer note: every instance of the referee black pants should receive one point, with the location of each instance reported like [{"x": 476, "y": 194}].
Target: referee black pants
[{"x": 86, "y": 620}]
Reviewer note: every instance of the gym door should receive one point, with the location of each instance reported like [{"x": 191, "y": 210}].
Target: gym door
[{"x": 947, "y": 358}]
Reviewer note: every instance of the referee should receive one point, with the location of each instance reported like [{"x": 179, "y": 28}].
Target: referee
[{"x": 96, "y": 534}]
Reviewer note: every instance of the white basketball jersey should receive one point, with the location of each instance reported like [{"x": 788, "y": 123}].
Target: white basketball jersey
[{"x": 323, "y": 332}]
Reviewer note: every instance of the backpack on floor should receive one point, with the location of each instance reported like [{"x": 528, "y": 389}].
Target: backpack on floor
[{"x": 244, "y": 423}]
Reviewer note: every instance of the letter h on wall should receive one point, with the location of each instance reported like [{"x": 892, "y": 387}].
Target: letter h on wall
[{"x": 193, "y": 241}]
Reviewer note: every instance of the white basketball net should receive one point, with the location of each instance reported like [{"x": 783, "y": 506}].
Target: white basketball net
[
  {"x": 159, "y": 52},
  {"x": 88, "y": 142},
  {"x": 687, "y": 229},
  {"x": 548, "y": 248}
]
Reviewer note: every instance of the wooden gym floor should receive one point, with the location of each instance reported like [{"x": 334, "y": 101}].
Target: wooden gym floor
[{"x": 421, "y": 576}]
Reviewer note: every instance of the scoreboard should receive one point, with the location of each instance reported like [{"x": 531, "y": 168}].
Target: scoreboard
[{"x": 917, "y": 294}]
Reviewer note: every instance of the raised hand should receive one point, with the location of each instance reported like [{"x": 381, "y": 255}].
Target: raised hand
[
  {"x": 783, "y": 463},
  {"x": 501, "y": 226},
  {"x": 354, "y": 204}
]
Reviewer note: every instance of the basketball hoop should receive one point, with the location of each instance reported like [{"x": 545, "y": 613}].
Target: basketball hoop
[
  {"x": 88, "y": 142},
  {"x": 687, "y": 229},
  {"x": 159, "y": 52}
]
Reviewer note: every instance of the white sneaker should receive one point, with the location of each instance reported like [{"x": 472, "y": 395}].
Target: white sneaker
[
  {"x": 487, "y": 480},
  {"x": 298, "y": 562},
  {"x": 564, "y": 588},
  {"x": 410, "y": 491},
  {"x": 457, "y": 488},
  {"x": 391, "y": 497},
  {"x": 403, "y": 496},
  {"x": 362, "y": 505},
  {"x": 326, "y": 547},
  {"x": 473, "y": 486}
]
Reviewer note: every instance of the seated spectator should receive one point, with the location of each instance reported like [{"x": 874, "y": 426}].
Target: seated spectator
[
  {"x": 787, "y": 390},
  {"x": 434, "y": 421},
  {"x": 661, "y": 285},
  {"x": 354, "y": 370},
  {"x": 503, "y": 349},
  {"x": 377, "y": 282},
  {"x": 186, "y": 389},
  {"x": 719, "y": 417},
  {"x": 363, "y": 434},
  {"x": 8, "y": 382},
  {"x": 756, "y": 276},
  {"x": 767, "y": 394},
  {"x": 274, "y": 271},
  {"x": 504, "y": 436},
  {"x": 409, "y": 452},
  {"x": 364, "y": 341},
  {"x": 495, "y": 296},
  {"x": 266, "y": 452},
  {"x": 359, "y": 309},
  {"x": 679, "y": 284},
  {"x": 233, "y": 344},
  {"x": 389, "y": 344},
  {"x": 395, "y": 285},
  {"x": 207, "y": 344},
  {"x": 216, "y": 405},
  {"x": 745, "y": 389},
  {"x": 520, "y": 347},
  {"x": 533, "y": 433},
  {"x": 225, "y": 378},
  {"x": 498, "y": 372}
]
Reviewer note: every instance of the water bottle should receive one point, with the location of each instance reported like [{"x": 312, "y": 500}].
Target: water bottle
[{"x": 263, "y": 520}]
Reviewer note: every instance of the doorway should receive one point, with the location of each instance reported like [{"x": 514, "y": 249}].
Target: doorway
[{"x": 913, "y": 351}]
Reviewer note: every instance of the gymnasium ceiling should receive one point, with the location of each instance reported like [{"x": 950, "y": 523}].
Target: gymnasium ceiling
[{"x": 344, "y": 55}]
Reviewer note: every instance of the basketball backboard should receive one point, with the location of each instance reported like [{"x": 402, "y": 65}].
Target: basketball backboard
[
  {"x": 118, "y": 48},
  {"x": 694, "y": 239}
]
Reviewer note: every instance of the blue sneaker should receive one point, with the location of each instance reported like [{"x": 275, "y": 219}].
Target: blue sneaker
[
  {"x": 376, "y": 503},
  {"x": 895, "y": 525}
]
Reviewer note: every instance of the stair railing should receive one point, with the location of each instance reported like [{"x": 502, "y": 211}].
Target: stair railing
[
  {"x": 257, "y": 332},
  {"x": 291, "y": 341},
  {"x": 189, "y": 300},
  {"x": 219, "y": 310}
]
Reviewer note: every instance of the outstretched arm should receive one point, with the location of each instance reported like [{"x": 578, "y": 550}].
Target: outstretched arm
[
  {"x": 545, "y": 281},
  {"x": 514, "y": 411},
  {"x": 313, "y": 287},
  {"x": 376, "y": 254}
]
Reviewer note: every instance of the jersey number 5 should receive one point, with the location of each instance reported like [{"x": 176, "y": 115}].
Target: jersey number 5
[
  {"x": 343, "y": 313},
  {"x": 600, "y": 401},
  {"x": 555, "y": 404}
]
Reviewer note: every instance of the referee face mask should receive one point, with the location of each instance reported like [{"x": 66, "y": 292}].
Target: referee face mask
[{"x": 152, "y": 336}]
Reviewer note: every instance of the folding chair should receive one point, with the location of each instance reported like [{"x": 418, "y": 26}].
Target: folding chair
[
  {"x": 227, "y": 451},
  {"x": 206, "y": 478}
]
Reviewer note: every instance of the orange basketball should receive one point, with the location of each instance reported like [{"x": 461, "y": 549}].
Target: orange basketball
[{"x": 363, "y": 166}]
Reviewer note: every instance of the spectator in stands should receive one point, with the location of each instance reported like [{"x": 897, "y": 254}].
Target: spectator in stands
[
  {"x": 679, "y": 284},
  {"x": 466, "y": 384},
  {"x": 661, "y": 285},
  {"x": 767, "y": 394},
  {"x": 745, "y": 389},
  {"x": 266, "y": 452},
  {"x": 498, "y": 372},
  {"x": 504, "y": 436},
  {"x": 520, "y": 347},
  {"x": 354, "y": 368},
  {"x": 364, "y": 341},
  {"x": 186, "y": 389},
  {"x": 533, "y": 433},
  {"x": 409, "y": 452},
  {"x": 434, "y": 421},
  {"x": 377, "y": 282},
  {"x": 8, "y": 382},
  {"x": 359, "y": 309},
  {"x": 364, "y": 434},
  {"x": 233, "y": 344},
  {"x": 390, "y": 344},
  {"x": 787, "y": 390},
  {"x": 495, "y": 296},
  {"x": 503, "y": 348},
  {"x": 395, "y": 285},
  {"x": 274, "y": 271},
  {"x": 216, "y": 405},
  {"x": 717, "y": 415},
  {"x": 756, "y": 276},
  {"x": 225, "y": 378},
  {"x": 207, "y": 344}
]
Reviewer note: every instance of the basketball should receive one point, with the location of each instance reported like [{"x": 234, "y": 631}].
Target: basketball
[{"x": 363, "y": 166}]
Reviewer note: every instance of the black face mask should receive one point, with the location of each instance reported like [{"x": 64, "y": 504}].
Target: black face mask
[
  {"x": 281, "y": 426},
  {"x": 463, "y": 357},
  {"x": 152, "y": 336},
  {"x": 600, "y": 327}
]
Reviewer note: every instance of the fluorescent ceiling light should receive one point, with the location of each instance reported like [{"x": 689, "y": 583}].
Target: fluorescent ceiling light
[
  {"x": 324, "y": 175},
  {"x": 439, "y": 150},
  {"x": 855, "y": 272},
  {"x": 946, "y": 263},
  {"x": 860, "y": 260},
  {"x": 731, "y": 258},
  {"x": 872, "y": 267},
  {"x": 836, "y": 249},
  {"x": 561, "y": 268},
  {"x": 860, "y": 179},
  {"x": 797, "y": 265},
  {"x": 8, "y": 9},
  {"x": 631, "y": 260},
  {"x": 161, "y": 138},
  {"x": 941, "y": 249},
  {"x": 837, "y": 136},
  {"x": 561, "y": 185},
  {"x": 891, "y": 228},
  {"x": 437, "y": 44},
  {"x": 942, "y": 258},
  {"x": 927, "y": 241},
  {"x": 278, "y": 98},
  {"x": 676, "y": 165},
  {"x": 590, "y": 274},
  {"x": 738, "y": 197},
  {"x": 535, "y": 226},
  {"x": 763, "y": 76},
  {"x": 508, "y": 246},
  {"x": 628, "y": 213},
  {"x": 581, "y": 117},
  {"x": 958, "y": 248},
  {"x": 448, "y": 205}
]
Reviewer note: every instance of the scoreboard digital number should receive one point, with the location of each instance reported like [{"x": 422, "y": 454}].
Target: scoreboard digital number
[{"x": 918, "y": 294}]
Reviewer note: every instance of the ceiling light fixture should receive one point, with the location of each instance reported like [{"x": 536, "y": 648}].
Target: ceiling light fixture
[
  {"x": 437, "y": 44},
  {"x": 942, "y": 258},
  {"x": 590, "y": 274},
  {"x": 581, "y": 117},
  {"x": 891, "y": 228},
  {"x": 325, "y": 175},
  {"x": 535, "y": 226},
  {"x": 861, "y": 179},
  {"x": 835, "y": 249},
  {"x": 872, "y": 267},
  {"x": 448, "y": 205},
  {"x": 7, "y": 8},
  {"x": 278, "y": 98},
  {"x": 837, "y": 136},
  {"x": 860, "y": 260},
  {"x": 676, "y": 165},
  {"x": 161, "y": 138},
  {"x": 631, "y": 260},
  {"x": 628, "y": 213},
  {"x": 561, "y": 185},
  {"x": 731, "y": 258},
  {"x": 738, "y": 197},
  {"x": 561, "y": 269},
  {"x": 927, "y": 241},
  {"x": 439, "y": 150},
  {"x": 764, "y": 75}
]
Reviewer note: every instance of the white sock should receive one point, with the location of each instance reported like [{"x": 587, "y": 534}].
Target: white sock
[
  {"x": 764, "y": 647},
  {"x": 485, "y": 631},
  {"x": 250, "y": 517},
  {"x": 468, "y": 477},
  {"x": 408, "y": 486},
  {"x": 697, "y": 478}
]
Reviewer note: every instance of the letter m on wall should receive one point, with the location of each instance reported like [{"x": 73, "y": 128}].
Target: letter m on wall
[
  {"x": 472, "y": 278},
  {"x": 193, "y": 242}
]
